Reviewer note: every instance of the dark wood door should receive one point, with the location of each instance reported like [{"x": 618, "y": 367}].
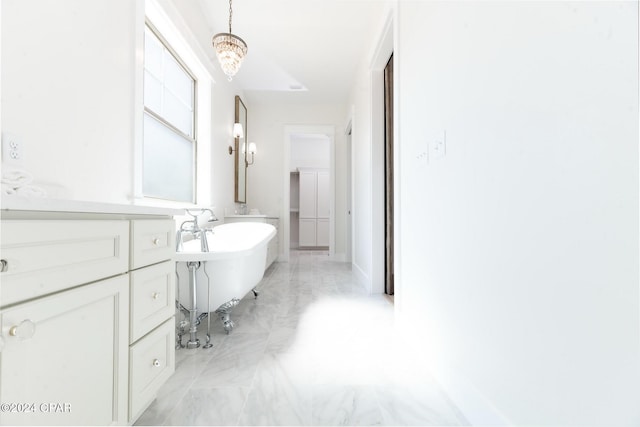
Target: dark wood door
[{"x": 388, "y": 172}]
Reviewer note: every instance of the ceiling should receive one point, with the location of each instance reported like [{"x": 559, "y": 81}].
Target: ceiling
[{"x": 304, "y": 51}]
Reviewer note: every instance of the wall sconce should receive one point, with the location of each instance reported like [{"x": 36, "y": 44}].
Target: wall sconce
[
  {"x": 237, "y": 133},
  {"x": 252, "y": 151}
]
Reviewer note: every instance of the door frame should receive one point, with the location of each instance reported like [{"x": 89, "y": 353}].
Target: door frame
[
  {"x": 384, "y": 49},
  {"x": 289, "y": 132},
  {"x": 349, "y": 239}
]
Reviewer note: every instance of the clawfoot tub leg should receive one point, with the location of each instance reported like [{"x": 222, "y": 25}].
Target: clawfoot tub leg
[
  {"x": 224, "y": 310},
  {"x": 256, "y": 293}
]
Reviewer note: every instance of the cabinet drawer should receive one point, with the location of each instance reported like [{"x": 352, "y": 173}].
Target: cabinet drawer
[
  {"x": 151, "y": 361},
  {"x": 46, "y": 256},
  {"x": 152, "y": 241},
  {"x": 152, "y": 297}
]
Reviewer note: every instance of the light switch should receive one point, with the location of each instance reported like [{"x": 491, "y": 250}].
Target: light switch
[{"x": 438, "y": 147}]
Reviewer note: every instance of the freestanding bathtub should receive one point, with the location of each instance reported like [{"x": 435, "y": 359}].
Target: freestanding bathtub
[{"x": 234, "y": 265}]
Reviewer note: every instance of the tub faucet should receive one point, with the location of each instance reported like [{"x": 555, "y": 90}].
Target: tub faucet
[
  {"x": 179, "y": 233},
  {"x": 195, "y": 230}
]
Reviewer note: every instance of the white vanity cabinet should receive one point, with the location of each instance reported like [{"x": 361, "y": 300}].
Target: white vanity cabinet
[
  {"x": 86, "y": 314},
  {"x": 64, "y": 318}
]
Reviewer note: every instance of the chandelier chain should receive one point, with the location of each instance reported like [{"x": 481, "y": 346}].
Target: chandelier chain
[{"x": 230, "y": 15}]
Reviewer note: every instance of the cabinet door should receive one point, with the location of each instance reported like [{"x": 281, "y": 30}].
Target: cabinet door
[
  {"x": 308, "y": 197},
  {"x": 322, "y": 232},
  {"x": 323, "y": 195},
  {"x": 307, "y": 232},
  {"x": 73, "y": 366}
]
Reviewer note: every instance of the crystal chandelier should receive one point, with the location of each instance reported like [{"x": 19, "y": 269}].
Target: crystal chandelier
[{"x": 230, "y": 49}]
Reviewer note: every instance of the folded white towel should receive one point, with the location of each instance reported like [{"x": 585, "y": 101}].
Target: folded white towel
[
  {"x": 18, "y": 182},
  {"x": 8, "y": 190},
  {"x": 30, "y": 191},
  {"x": 16, "y": 177}
]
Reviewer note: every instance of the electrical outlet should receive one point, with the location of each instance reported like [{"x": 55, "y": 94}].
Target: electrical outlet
[
  {"x": 11, "y": 148},
  {"x": 421, "y": 150}
]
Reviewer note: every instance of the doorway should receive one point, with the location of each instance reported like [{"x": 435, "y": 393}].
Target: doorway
[
  {"x": 291, "y": 134},
  {"x": 309, "y": 196}
]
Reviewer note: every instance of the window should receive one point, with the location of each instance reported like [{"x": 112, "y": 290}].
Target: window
[{"x": 169, "y": 142}]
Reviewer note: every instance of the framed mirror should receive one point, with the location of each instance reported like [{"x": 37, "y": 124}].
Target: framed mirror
[{"x": 240, "y": 159}]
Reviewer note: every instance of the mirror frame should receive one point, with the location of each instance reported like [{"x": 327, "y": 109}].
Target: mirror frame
[{"x": 240, "y": 182}]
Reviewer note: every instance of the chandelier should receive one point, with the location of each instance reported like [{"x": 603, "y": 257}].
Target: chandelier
[{"x": 230, "y": 49}]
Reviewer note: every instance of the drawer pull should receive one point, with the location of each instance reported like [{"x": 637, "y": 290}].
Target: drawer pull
[
  {"x": 24, "y": 330},
  {"x": 4, "y": 265},
  {"x": 156, "y": 241},
  {"x": 156, "y": 363},
  {"x": 155, "y": 295}
]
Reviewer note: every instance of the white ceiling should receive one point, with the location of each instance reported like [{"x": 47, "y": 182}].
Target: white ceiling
[{"x": 314, "y": 45}]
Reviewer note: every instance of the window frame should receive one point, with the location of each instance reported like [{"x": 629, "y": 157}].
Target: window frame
[{"x": 156, "y": 116}]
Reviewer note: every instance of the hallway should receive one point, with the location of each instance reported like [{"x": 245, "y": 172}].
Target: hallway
[{"x": 313, "y": 349}]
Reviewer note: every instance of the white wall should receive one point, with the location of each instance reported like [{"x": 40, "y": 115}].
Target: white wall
[
  {"x": 310, "y": 151},
  {"x": 71, "y": 74},
  {"x": 68, "y": 88},
  {"x": 520, "y": 245}
]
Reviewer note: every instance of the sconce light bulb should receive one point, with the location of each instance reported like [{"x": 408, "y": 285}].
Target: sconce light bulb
[{"x": 238, "y": 132}]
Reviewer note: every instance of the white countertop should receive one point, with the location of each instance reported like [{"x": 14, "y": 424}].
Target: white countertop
[{"x": 41, "y": 204}]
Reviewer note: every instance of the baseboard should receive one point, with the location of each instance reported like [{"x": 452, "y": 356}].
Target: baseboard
[
  {"x": 342, "y": 257},
  {"x": 361, "y": 276},
  {"x": 473, "y": 406}
]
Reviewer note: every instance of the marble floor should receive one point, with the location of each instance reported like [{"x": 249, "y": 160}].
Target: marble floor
[{"x": 313, "y": 349}]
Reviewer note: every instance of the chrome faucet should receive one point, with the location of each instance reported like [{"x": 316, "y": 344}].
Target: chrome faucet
[{"x": 195, "y": 230}]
